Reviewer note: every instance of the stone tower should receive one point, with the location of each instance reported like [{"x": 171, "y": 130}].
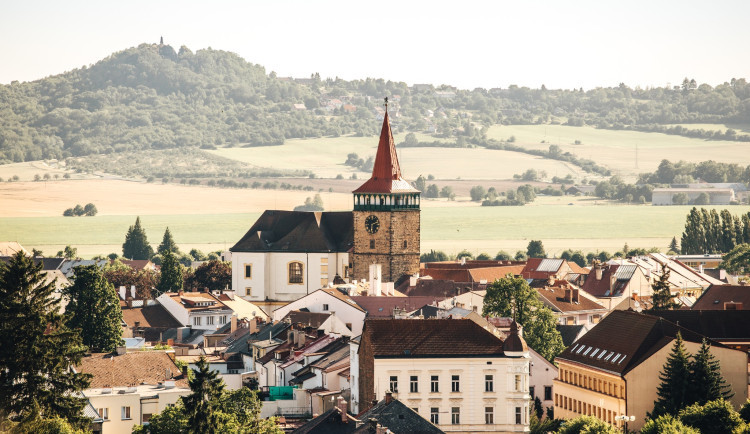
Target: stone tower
[{"x": 386, "y": 217}]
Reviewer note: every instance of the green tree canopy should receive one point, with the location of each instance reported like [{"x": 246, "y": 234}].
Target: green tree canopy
[
  {"x": 212, "y": 276},
  {"x": 715, "y": 417},
  {"x": 170, "y": 279},
  {"x": 433, "y": 256},
  {"x": 737, "y": 260},
  {"x": 94, "y": 309},
  {"x": 662, "y": 298},
  {"x": 136, "y": 243},
  {"x": 512, "y": 297},
  {"x": 535, "y": 249},
  {"x": 707, "y": 383},
  {"x": 167, "y": 243},
  {"x": 37, "y": 348},
  {"x": 587, "y": 425},
  {"x": 667, "y": 424}
]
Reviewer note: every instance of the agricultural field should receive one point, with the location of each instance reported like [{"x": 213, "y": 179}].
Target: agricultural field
[
  {"x": 617, "y": 149},
  {"x": 325, "y": 157}
]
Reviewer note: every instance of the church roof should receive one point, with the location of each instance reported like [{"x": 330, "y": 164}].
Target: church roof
[
  {"x": 386, "y": 173},
  {"x": 299, "y": 231}
]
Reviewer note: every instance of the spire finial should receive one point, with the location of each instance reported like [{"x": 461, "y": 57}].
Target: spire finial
[{"x": 386, "y": 103}]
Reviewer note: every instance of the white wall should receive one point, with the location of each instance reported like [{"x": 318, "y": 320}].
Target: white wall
[
  {"x": 542, "y": 373},
  {"x": 354, "y": 375},
  {"x": 175, "y": 309},
  {"x": 315, "y": 303}
]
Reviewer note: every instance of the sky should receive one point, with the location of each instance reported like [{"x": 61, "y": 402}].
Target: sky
[{"x": 467, "y": 43}]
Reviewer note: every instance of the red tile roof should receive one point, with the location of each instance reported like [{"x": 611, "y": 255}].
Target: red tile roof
[
  {"x": 429, "y": 338},
  {"x": 554, "y": 296},
  {"x": 601, "y": 288},
  {"x": 386, "y": 173},
  {"x": 383, "y": 306},
  {"x": 131, "y": 369},
  {"x": 490, "y": 274}
]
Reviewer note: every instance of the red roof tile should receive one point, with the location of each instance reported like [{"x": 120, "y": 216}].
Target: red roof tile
[
  {"x": 131, "y": 369},
  {"x": 383, "y": 306},
  {"x": 716, "y": 295}
]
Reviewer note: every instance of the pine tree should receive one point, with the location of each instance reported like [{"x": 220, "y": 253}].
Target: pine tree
[
  {"x": 693, "y": 238},
  {"x": 673, "y": 247},
  {"x": 201, "y": 405},
  {"x": 36, "y": 349},
  {"x": 94, "y": 309},
  {"x": 705, "y": 377},
  {"x": 673, "y": 392},
  {"x": 728, "y": 237},
  {"x": 662, "y": 296},
  {"x": 167, "y": 243},
  {"x": 136, "y": 243},
  {"x": 170, "y": 279}
]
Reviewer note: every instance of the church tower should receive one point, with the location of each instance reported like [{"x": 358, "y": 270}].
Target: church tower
[{"x": 386, "y": 216}]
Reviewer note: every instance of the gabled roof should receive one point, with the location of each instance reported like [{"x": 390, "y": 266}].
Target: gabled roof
[
  {"x": 569, "y": 333},
  {"x": 554, "y": 298},
  {"x": 601, "y": 288},
  {"x": 398, "y": 418},
  {"x": 383, "y": 306},
  {"x": 623, "y": 340},
  {"x": 490, "y": 274},
  {"x": 386, "y": 173},
  {"x": 541, "y": 268},
  {"x": 715, "y": 324},
  {"x": 716, "y": 295},
  {"x": 430, "y": 338},
  {"x": 311, "y": 319},
  {"x": 299, "y": 231},
  {"x": 150, "y": 317},
  {"x": 149, "y": 367}
]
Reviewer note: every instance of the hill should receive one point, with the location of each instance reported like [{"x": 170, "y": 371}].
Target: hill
[{"x": 153, "y": 97}]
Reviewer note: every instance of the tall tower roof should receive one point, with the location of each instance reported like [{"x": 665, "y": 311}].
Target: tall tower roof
[{"x": 386, "y": 173}]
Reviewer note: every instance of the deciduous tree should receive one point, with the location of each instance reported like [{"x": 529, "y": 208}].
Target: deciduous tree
[
  {"x": 535, "y": 249},
  {"x": 211, "y": 276}
]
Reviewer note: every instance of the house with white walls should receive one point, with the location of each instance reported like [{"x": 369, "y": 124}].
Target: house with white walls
[{"x": 328, "y": 300}]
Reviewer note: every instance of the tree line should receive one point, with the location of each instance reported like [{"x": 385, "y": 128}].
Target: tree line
[{"x": 709, "y": 231}]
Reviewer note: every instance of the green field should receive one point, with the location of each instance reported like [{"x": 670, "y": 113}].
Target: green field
[
  {"x": 617, "y": 149},
  {"x": 479, "y": 229}
]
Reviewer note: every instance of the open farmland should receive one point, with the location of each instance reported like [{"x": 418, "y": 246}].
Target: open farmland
[
  {"x": 617, "y": 149},
  {"x": 325, "y": 157}
]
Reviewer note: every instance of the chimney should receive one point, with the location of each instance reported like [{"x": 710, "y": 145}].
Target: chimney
[
  {"x": 551, "y": 280},
  {"x": 290, "y": 337},
  {"x": 120, "y": 350},
  {"x": 137, "y": 324},
  {"x": 598, "y": 269},
  {"x": 342, "y": 406},
  {"x": 132, "y": 291},
  {"x": 388, "y": 397},
  {"x": 234, "y": 323},
  {"x": 170, "y": 342},
  {"x": 122, "y": 292},
  {"x": 254, "y": 325},
  {"x": 130, "y": 302},
  {"x": 568, "y": 295},
  {"x": 389, "y": 289},
  {"x": 413, "y": 280},
  {"x": 375, "y": 279},
  {"x": 184, "y": 371},
  {"x": 301, "y": 338},
  {"x": 700, "y": 268},
  {"x": 181, "y": 333},
  {"x": 463, "y": 260},
  {"x": 574, "y": 295},
  {"x": 181, "y": 293}
]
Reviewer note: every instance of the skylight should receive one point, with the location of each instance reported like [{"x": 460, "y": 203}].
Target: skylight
[
  {"x": 581, "y": 348},
  {"x": 585, "y": 353},
  {"x": 616, "y": 357},
  {"x": 602, "y": 354},
  {"x": 608, "y": 357},
  {"x": 594, "y": 353},
  {"x": 621, "y": 360}
]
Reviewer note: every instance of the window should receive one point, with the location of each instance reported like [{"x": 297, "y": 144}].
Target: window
[
  {"x": 325, "y": 306},
  {"x": 103, "y": 413},
  {"x": 489, "y": 415},
  {"x": 248, "y": 271},
  {"x": 488, "y": 383},
  {"x": 249, "y": 291},
  {"x": 518, "y": 382},
  {"x": 210, "y": 320},
  {"x": 547, "y": 393},
  {"x": 531, "y": 392},
  {"x": 324, "y": 269},
  {"x": 595, "y": 319},
  {"x": 406, "y": 244},
  {"x": 223, "y": 319},
  {"x": 372, "y": 244},
  {"x": 295, "y": 272},
  {"x": 455, "y": 415},
  {"x": 323, "y": 282},
  {"x": 434, "y": 383},
  {"x": 125, "y": 413},
  {"x": 146, "y": 417},
  {"x": 197, "y": 320},
  {"x": 394, "y": 383},
  {"x": 413, "y": 384},
  {"x": 455, "y": 383},
  {"x": 519, "y": 419},
  {"x": 434, "y": 415}
]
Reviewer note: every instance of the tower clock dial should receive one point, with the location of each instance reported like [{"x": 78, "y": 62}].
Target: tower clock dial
[{"x": 372, "y": 224}]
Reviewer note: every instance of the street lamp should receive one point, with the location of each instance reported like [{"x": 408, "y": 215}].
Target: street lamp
[{"x": 626, "y": 419}]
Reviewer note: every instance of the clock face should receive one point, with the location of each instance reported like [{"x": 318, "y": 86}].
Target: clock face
[{"x": 372, "y": 224}]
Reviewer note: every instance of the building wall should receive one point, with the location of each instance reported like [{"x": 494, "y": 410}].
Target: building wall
[
  {"x": 542, "y": 374},
  {"x": 471, "y": 399},
  {"x": 579, "y": 390},
  {"x": 114, "y": 401},
  {"x": 269, "y": 279},
  {"x": 664, "y": 197},
  {"x": 316, "y": 302},
  {"x": 354, "y": 376},
  {"x": 175, "y": 309},
  {"x": 643, "y": 381},
  {"x": 396, "y": 227}
]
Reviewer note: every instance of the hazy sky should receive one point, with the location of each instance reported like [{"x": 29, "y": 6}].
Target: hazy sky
[{"x": 467, "y": 43}]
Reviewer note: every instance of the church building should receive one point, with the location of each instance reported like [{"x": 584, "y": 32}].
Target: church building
[{"x": 288, "y": 254}]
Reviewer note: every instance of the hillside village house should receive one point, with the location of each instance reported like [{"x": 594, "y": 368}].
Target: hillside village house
[
  {"x": 613, "y": 370},
  {"x": 452, "y": 371},
  {"x": 610, "y": 284},
  {"x": 330, "y": 301},
  {"x": 127, "y": 389},
  {"x": 198, "y": 310},
  {"x": 570, "y": 305}
]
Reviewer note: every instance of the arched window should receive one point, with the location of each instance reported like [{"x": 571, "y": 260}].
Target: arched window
[{"x": 295, "y": 272}]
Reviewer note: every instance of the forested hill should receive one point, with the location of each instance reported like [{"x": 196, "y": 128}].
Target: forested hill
[{"x": 152, "y": 97}]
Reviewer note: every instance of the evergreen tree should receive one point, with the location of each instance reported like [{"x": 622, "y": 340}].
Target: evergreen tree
[
  {"x": 170, "y": 279},
  {"x": 673, "y": 247},
  {"x": 693, "y": 238},
  {"x": 674, "y": 391},
  {"x": 202, "y": 404},
  {"x": 94, "y": 309},
  {"x": 36, "y": 349},
  {"x": 136, "y": 244},
  {"x": 167, "y": 243},
  {"x": 728, "y": 238},
  {"x": 705, "y": 377},
  {"x": 662, "y": 297}
]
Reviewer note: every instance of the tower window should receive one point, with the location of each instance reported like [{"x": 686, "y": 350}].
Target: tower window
[
  {"x": 406, "y": 244},
  {"x": 372, "y": 244}
]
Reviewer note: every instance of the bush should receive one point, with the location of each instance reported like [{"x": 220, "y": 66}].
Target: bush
[
  {"x": 667, "y": 424},
  {"x": 587, "y": 425},
  {"x": 716, "y": 417}
]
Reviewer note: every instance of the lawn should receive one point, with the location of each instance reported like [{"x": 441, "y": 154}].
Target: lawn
[{"x": 617, "y": 149}]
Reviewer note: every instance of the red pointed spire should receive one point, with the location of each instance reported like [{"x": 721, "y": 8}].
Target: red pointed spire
[{"x": 386, "y": 173}]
